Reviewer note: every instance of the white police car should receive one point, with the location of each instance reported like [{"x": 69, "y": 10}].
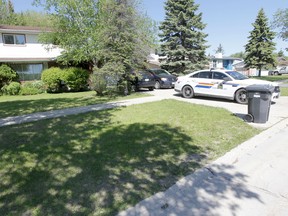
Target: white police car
[{"x": 221, "y": 84}]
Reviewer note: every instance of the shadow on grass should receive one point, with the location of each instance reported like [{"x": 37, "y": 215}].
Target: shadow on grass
[{"x": 88, "y": 164}]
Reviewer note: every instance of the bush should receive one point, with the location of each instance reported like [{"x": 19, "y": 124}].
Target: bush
[
  {"x": 7, "y": 75},
  {"x": 98, "y": 83},
  {"x": 75, "y": 79},
  {"x": 32, "y": 88},
  {"x": 12, "y": 89},
  {"x": 52, "y": 79}
]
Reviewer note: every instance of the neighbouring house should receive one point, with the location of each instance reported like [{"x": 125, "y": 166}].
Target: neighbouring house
[
  {"x": 21, "y": 50},
  {"x": 218, "y": 61},
  {"x": 240, "y": 67}
]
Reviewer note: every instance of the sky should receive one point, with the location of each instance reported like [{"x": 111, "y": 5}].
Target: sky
[{"x": 228, "y": 22}]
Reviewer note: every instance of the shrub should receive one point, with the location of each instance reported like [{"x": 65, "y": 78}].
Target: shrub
[
  {"x": 98, "y": 83},
  {"x": 7, "y": 75},
  {"x": 75, "y": 78},
  {"x": 52, "y": 79},
  {"x": 32, "y": 88},
  {"x": 12, "y": 89}
]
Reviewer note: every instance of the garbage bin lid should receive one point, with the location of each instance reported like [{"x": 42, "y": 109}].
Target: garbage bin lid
[{"x": 260, "y": 88}]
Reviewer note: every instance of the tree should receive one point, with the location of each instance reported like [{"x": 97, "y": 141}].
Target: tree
[
  {"x": 183, "y": 42},
  {"x": 260, "y": 47},
  {"x": 238, "y": 55},
  {"x": 28, "y": 18},
  {"x": 34, "y": 18},
  {"x": 126, "y": 38},
  {"x": 280, "y": 54},
  {"x": 220, "y": 49},
  {"x": 7, "y": 14},
  {"x": 280, "y": 21},
  {"x": 75, "y": 28},
  {"x": 110, "y": 34}
]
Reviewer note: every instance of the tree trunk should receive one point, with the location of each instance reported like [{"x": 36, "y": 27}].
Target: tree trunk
[{"x": 259, "y": 74}]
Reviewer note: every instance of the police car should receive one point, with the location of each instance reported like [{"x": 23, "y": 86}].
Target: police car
[{"x": 221, "y": 84}]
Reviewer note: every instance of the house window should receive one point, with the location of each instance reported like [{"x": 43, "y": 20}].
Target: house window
[
  {"x": 28, "y": 72},
  {"x": 14, "y": 39}
]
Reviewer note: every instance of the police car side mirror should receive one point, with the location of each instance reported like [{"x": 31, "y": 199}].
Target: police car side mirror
[{"x": 226, "y": 79}]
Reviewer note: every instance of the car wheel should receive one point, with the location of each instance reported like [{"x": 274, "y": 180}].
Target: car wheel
[
  {"x": 151, "y": 88},
  {"x": 136, "y": 88},
  {"x": 157, "y": 85},
  {"x": 187, "y": 92},
  {"x": 276, "y": 73},
  {"x": 241, "y": 96}
]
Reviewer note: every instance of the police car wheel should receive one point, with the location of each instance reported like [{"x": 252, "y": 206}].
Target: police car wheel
[
  {"x": 187, "y": 92},
  {"x": 241, "y": 96}
]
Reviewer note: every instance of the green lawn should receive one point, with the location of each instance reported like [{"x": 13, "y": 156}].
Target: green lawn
[
  {"x": 20, "y": 105},
  {"x": 284, "y": 91},
  {"x": 282, "y": 78},
  {"x": 100, "y": 163},
  {"x": 273, "y": 78}
]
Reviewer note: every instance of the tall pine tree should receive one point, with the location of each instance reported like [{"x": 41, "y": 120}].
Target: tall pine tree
[
  {"x": 182, "y": 37},
  {"x": 260, "y": 47}
]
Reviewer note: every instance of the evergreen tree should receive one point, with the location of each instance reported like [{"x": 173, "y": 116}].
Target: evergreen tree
[
  {"x": 260, "y": 47},
  {"x": 280, "y": 53},
  {"x": 220, "y": 49},
  {"x": 183, "y": 42}
]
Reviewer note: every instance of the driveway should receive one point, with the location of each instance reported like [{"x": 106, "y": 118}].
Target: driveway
[{"x": 278, "y": 111}]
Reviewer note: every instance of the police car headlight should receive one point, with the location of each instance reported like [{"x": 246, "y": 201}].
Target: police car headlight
[{"x": 164, "y": 79}]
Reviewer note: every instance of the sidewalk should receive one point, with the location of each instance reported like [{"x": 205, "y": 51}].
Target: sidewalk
[
  {"x": 251, "y": 179},
  {"x": 73, "y": 111}
]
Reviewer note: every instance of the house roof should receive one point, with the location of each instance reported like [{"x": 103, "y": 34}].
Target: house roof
[
  {"x": 27, "y": 59},
  {"x": 225, "y": 58},
  {"x": 31, "y": 29}
]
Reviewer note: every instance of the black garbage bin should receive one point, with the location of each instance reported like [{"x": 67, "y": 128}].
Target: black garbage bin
[{"x": 259, "y": 101}]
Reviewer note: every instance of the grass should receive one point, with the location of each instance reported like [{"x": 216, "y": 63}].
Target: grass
[
  {"x": 283, "y": 79},
  {"x": 100, "y": 163},
  {"x": 284, "y": 91},
  {"x": 273, "y": 78},
  {"x": 20, "y": 105}
]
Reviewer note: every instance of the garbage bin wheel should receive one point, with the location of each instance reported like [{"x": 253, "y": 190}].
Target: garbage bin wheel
[
  {"x": 241, "y": 96},
  {"x": 248, "y": 118}
]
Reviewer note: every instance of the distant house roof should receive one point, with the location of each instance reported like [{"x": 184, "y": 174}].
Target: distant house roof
[
  {"x": 282, "y": 61},
  {"x": 225, "y": 58},
  {"x": 239, "y": 64}
]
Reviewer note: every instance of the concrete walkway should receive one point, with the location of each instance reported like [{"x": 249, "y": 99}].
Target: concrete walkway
[{"x": 73, "y": 111}]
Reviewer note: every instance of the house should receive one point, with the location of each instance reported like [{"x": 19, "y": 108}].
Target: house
[
  {"x": 216, "y": 62},
  {"x": 221, "y": 62},
  {"x": 22, "y": 51}
]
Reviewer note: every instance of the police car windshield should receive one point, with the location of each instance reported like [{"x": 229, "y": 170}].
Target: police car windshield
[{"x": 236, "y": 75}]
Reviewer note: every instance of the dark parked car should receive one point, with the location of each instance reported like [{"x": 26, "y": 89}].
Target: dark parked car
[
  {"x": 163, "y": 78},
  {"x": 144, "y": 79}
]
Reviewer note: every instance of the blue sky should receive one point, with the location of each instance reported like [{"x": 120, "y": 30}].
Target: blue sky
[{"x": 228, "y": 21}]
